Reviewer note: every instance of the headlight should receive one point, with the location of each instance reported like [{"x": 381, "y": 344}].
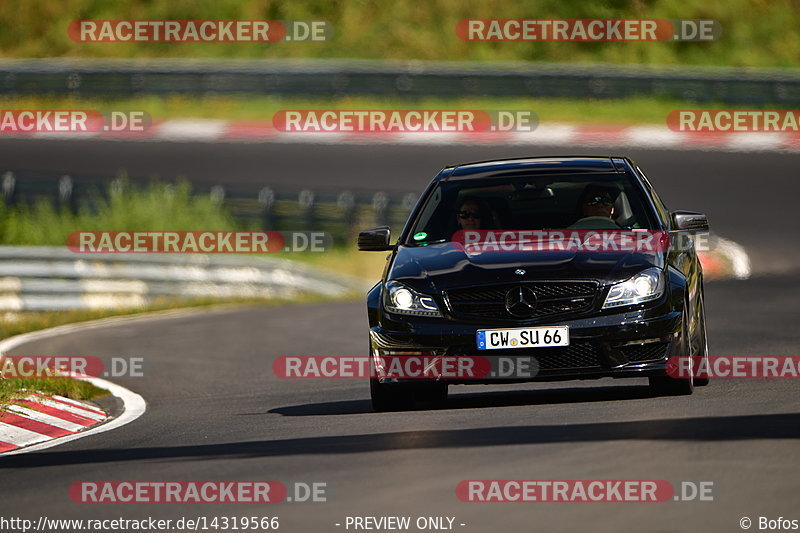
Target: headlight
[
  {"x": 398, "y": 298},
  {"x": 643, "y": 287}
]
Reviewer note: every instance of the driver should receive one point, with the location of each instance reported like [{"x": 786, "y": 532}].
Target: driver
[{"x": 597, "y": 201}]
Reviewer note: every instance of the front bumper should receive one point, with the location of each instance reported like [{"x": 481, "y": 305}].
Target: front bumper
[{"x": 632, "y": 343}]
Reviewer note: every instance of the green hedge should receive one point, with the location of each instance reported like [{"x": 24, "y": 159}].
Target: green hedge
[{"x": 755, "y": 32}]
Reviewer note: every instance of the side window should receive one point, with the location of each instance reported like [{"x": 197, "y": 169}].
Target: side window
[{"x": 663, "y": 212}]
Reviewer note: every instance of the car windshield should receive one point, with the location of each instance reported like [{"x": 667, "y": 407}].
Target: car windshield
[{"x": 579, "y": 201}]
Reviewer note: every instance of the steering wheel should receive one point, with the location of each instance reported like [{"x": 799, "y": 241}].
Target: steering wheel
[{"x": 594, "y": 223}]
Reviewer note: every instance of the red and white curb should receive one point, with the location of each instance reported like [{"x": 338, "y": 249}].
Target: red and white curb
[
  {"x": 37, "y": 418},
  {"x": 547, "y": 134},
  {"x": 37, "y": 422}
]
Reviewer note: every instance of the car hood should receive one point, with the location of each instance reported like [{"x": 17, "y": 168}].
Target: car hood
[{"x": 438, "y": 267}]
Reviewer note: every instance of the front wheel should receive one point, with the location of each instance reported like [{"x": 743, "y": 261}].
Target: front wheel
[
  {"x": 700, "y": 343},
  {"x": 390, "y": 396},
  {"x": 666, "y": 385}
]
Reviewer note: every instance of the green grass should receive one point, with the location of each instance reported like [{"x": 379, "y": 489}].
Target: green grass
[
  {"x": 16, "y": 388},
  {"x": 155, "y": 207},
  {"x": 345, "y": 260},
  {"x": 755, "y": 32}
]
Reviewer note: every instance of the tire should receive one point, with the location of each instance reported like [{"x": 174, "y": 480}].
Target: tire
[
  {"x": 702, "y": 342},
  {"x": 666, "y": 385},
  {"x": 390, "y": 396},
  {"x": 387, "y": 397}
]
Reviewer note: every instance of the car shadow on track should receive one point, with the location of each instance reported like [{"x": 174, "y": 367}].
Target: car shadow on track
[
  {"x": 699, "y": 429},
  {"x": 477, "y": 400}
]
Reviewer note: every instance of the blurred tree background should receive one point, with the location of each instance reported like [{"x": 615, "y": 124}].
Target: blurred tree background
[{"x": 755, "y": 33}]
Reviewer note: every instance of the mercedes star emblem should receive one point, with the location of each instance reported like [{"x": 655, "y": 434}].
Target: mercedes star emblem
[{"x": 521, "y": 302}]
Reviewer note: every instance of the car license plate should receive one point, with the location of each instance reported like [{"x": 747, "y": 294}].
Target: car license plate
[{"x": 539, "y": 337}]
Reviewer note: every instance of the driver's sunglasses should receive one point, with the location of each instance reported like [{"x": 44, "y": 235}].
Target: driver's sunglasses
[
  {"x": 599, "y": 200},
  {"x": 469, "y": 214}
]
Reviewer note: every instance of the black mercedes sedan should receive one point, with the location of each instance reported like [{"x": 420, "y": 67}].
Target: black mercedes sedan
[{"x": 535, "y": 269}]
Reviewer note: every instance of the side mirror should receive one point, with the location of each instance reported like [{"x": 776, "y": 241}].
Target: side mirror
[
  {"x": 374, "y": 239},
  {"x": 689, "y": 221}
]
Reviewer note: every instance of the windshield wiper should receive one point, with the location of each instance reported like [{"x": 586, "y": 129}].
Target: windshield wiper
[{"x": 426, "y": 243}]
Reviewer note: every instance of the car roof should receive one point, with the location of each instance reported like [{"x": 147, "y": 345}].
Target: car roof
[{"x": 535, "y": 165}]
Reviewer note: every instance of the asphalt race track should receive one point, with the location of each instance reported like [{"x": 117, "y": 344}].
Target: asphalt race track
[{"x": 216, "y": 411}]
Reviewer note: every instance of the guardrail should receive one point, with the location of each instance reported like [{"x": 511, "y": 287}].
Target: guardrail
[
  {"x": 43, "y": 278},
  {"x": 340, "y": 213},
  {"x": 411, "y": 79}
]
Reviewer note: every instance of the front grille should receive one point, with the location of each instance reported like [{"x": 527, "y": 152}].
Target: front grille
[
  {"x": 639, "y": 353},
  {"x": 584, "y": 355},
  {"x": 553, "y": 298}
]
